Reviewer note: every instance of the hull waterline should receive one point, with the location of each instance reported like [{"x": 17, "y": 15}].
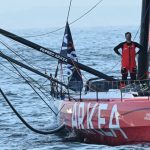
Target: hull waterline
[{"x": 109, "y": 121}]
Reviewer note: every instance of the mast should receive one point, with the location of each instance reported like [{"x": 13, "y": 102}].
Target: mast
[
  {"x": 144, "y": 57},
  {"x": 55, "y": 55}
]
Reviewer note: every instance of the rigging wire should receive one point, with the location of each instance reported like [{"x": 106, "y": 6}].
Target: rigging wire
[
  {"x": 142, "y": 22},
  {"x": 9, "y": 69},
  {"x": 23, "y": 60},
  {"x": 33, "y": 79},
  {"x": 30, "y": 82},
  {"x": 51, "y": 32},
  {"x": 76, "y": 67},
  {"x": 21, "y": 80},
  {"x": 117, "y": 62},
  {"x": 19, "y": 55},
  {"x": 93, "y": 8},
  {"x": 7, "y": 72},
  {"x": 52, "y": 131},
  {"x": 137, "y": 32},
  {"x": 31, "y": 87},
  {"x": 64, "y": 91},
  {"x": 56, "y": 72},
  {"x": 69, "y": 10},
  {"x": 39, "y": 88},
  {"x": 87, "y": 12}
]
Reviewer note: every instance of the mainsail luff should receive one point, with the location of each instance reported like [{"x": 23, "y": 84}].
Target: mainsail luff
[{"x": 55, "y": 55}]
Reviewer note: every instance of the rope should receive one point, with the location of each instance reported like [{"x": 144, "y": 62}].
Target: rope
[
  {"x": 72, "y": 23},
  {"x": 8, "y": 73},
  {"x": 86, "y": 12},
  {"x": 56, "y": 72},
  {"x": 31, "y": 87},
  {"x": 30, "y": 77},
  {"x": 24, "y": 72},
  {"x": 30, "y": 84},
  {"x": 26, "y": 124},
  {"x": 41, "y": 86},
  {"x": 21, "y": 80},
  {"x": 69, "y": 10},
  {"x": 9, "y": 69},
  {"x": 19, "y": 55},
  {"x": 51, "y": 32},
  {"x": 142, "y": 22},
  {"x": 28, "y": 81}
]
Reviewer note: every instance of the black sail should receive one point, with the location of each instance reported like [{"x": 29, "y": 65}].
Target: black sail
[
  {"x": 74, "y": 77},
  {"x": 144, "y": 57}
]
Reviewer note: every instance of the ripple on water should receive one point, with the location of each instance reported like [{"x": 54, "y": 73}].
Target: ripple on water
[{"x": 94, "y": 48}]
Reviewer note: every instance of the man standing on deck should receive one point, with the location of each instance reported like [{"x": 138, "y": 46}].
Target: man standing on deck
[{"x": 128, "y": 56}]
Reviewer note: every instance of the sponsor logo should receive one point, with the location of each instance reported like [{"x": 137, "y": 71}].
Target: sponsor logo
[
  {"x": 147, "y": 116},
  {"x": 53, "y": 54},
  {"x": 92, "y": 117}
]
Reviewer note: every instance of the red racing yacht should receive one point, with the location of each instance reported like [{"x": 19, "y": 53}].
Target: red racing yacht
[
  {"x": 104, "y": 112},
  {"x": 108, "y": 114}
]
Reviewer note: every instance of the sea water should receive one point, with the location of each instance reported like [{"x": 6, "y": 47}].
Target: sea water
[{"x": 94, "y": 47}]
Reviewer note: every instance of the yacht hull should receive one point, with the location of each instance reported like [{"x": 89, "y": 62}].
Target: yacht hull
[{"x": 108, "y": 121}]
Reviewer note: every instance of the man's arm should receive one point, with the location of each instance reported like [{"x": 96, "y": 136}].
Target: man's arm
[
  {"x": 117, "y": 48},
  {"x": 139, "y": 46}
]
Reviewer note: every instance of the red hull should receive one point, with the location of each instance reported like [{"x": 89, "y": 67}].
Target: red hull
[{"x": 110, "y": 122}]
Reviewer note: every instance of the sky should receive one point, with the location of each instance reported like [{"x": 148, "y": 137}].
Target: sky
[{"x": 42, "y": 14}]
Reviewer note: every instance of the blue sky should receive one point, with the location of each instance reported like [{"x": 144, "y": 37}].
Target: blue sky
[{"x": 52, "y": 13}]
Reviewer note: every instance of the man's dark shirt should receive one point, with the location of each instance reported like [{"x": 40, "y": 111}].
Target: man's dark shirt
[{"x": 121, "y": 46}]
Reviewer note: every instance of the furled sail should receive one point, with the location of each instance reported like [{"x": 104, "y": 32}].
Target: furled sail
[{"x": 75, "y": 81}]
